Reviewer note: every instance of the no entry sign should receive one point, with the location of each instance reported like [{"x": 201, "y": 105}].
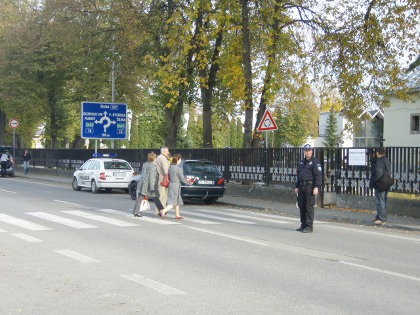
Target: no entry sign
[{"x": 14, "y": 123}]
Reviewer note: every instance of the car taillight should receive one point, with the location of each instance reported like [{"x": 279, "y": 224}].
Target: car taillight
[
  {"x": 102, "y": 176},
  {"x": 220, "y": 181}
]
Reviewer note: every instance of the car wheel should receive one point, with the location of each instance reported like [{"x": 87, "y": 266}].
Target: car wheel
[
  {"x": 75, "y": 185},
  {"x": 210, "y": 201},
  {"x": 132, "y": 190},
  {"x": 93, "y": 187}
]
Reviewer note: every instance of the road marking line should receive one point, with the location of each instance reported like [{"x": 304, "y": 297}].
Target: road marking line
[
  {"x": 238, "y": 238},
  {"x": 246, "y": 217},
  {"x": 209, "y": 216},
  {"x": 274, "y": 216},
  {"x": 381, "y": 271},
  {"x": 156, "y": 220},
  {"x": 8, "y": 191},
  {"x": 313, "y": 252},
  {"x": 61, "y": 220},
  {"x": 68, "y": 203},
  {"x": 23, "y": 223},
  {"x": 373, "y": 233},
  {"x": 77, "y": 256},
  {"x": 117, "y": 212},
  {"x": 100, "y": 218},
  {"x": 199, "y": 221},
  {"x": 154, "y": 285},
  {"x": 27, "y": 238}
]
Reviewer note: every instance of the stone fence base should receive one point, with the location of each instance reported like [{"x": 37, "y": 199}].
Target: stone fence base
[{"x": 286, "y": 194}]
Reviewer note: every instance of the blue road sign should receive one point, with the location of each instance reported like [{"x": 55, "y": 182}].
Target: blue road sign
[{"x": 104, "y": 121}]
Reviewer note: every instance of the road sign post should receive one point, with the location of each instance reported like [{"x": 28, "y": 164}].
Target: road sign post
[
  {"x": 14, "y": 123},
  {"x": 267, "y": 124}
]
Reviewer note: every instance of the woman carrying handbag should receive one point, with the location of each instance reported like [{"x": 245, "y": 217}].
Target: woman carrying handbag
[
  {"x": 148, "y": 185},
  {"x": 176, "y": 178}
]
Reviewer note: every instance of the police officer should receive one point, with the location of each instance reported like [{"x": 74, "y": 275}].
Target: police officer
[
  {"x": 4, "y": 159},
  {"x": 308, "y": 184}
]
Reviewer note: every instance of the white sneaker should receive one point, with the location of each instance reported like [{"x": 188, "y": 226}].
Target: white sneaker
[{"x": 379, "y": 222}]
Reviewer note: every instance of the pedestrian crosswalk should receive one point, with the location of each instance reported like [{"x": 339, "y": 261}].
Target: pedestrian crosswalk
[
  {"x": 22, "y": 223},
  {"x": 92, "y": 219},
  {"x": 61, "y": 220}
]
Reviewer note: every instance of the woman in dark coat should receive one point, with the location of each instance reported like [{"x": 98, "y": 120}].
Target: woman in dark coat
[
  {"x": 148, "y": 185},
  {"x": 176, "y": 178}
]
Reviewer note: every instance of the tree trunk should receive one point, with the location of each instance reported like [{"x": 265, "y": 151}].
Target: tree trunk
[
  {"x": 248, "y": 75},
  {"x": 173, "y": 119},
  {"x": 2, "y": 126},
  {"x": 52, "y": 103},
  {"x": 271, "y": 56},
  {"x": 207, "y": 92}
]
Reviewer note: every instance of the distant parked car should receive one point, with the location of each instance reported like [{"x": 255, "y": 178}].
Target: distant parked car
[
  {"x": 209, "y": 184},
  {"x": 103, "y": 172}
]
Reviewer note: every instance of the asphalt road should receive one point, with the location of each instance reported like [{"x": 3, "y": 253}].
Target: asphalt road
[{"x": 68, "y": 252}]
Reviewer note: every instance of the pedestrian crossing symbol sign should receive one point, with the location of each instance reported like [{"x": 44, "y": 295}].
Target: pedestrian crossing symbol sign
[{"x": 267, "y": 123}]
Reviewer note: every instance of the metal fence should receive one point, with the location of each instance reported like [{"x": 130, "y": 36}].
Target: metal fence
[{"x": 267, "y": 166}]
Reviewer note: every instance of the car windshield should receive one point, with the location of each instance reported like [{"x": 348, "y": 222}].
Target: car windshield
[
  {"x": 197, "y": 169},
  {"x": 116, "y": 165}
]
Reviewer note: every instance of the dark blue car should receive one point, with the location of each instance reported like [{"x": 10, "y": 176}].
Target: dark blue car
[{"x": 209, "y": 183}]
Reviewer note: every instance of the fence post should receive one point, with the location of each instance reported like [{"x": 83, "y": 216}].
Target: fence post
[
  {"x": 227, "y": 157},
  {"x": 320, "y": 200}
]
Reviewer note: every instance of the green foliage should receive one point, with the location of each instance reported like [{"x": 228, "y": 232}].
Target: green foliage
[
  {"x": 332, "y": 137},
  {"x": 293, "y": 130},
  {"x": 170, "y": 54}
]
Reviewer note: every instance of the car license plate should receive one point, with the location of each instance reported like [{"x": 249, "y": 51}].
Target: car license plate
[
  {"x": 205, "y": 182},
  {"x": 118, "y": 174}
]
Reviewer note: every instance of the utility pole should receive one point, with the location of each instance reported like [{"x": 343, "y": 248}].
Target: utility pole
[{"x": 113, "y": 92}]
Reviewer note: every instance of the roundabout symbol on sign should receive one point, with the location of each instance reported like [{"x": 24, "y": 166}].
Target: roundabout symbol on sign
[{"x": 14, "y": 123}]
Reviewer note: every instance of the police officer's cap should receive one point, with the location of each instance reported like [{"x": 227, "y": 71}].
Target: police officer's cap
[{"x": 307, "y": 147}]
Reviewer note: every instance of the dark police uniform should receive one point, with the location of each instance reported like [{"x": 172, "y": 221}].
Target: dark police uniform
[{"x": 309, "y": 176}]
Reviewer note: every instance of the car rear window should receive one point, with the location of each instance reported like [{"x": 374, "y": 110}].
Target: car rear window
[
  {"x": 116, "y": 165},
  {"x": 197, "y": 169}
]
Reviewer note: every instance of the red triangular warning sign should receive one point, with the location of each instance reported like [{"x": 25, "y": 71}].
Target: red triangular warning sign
[{"x": 267, "y": 122}]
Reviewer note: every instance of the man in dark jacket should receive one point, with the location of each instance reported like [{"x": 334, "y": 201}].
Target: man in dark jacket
[
  {"x": 381, "y": 166},
  {"x": 308, "y": 184}
]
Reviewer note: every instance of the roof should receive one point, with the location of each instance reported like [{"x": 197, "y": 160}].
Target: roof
[
  {"x": 373, "y": 113},
  {"x": 413, "y": 79}
]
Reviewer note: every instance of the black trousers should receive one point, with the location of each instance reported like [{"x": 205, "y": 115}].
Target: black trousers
[
  {"x": 136, "y": 209},
  {"x": 306, "y": 203},
  {"x": 3, "y": 168}
]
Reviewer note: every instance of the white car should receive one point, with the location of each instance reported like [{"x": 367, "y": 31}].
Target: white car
[{"x": 103, "y": 173}]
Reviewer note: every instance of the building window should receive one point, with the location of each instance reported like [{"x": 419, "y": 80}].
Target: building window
[{"x": 415, "y": 123}]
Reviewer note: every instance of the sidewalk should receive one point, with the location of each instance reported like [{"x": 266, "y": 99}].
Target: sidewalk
[{"x": 344, "y": 216}]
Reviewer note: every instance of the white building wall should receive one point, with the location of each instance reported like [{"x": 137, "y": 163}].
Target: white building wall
[
  {"x": 347, "y": 139},
  {"x": 397, "y": 123}
]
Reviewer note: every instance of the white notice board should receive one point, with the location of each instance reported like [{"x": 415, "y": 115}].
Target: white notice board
[{"x": 357, "y": 156}]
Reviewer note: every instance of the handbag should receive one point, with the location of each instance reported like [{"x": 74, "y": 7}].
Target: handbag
[
  {"x": 384, "y": 183},
  {"x": 165, "y": 181},
  {"x": 144, "y": 205}
]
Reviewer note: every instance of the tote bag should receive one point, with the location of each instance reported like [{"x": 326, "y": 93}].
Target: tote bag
[{"x": 144, "y": 205}]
